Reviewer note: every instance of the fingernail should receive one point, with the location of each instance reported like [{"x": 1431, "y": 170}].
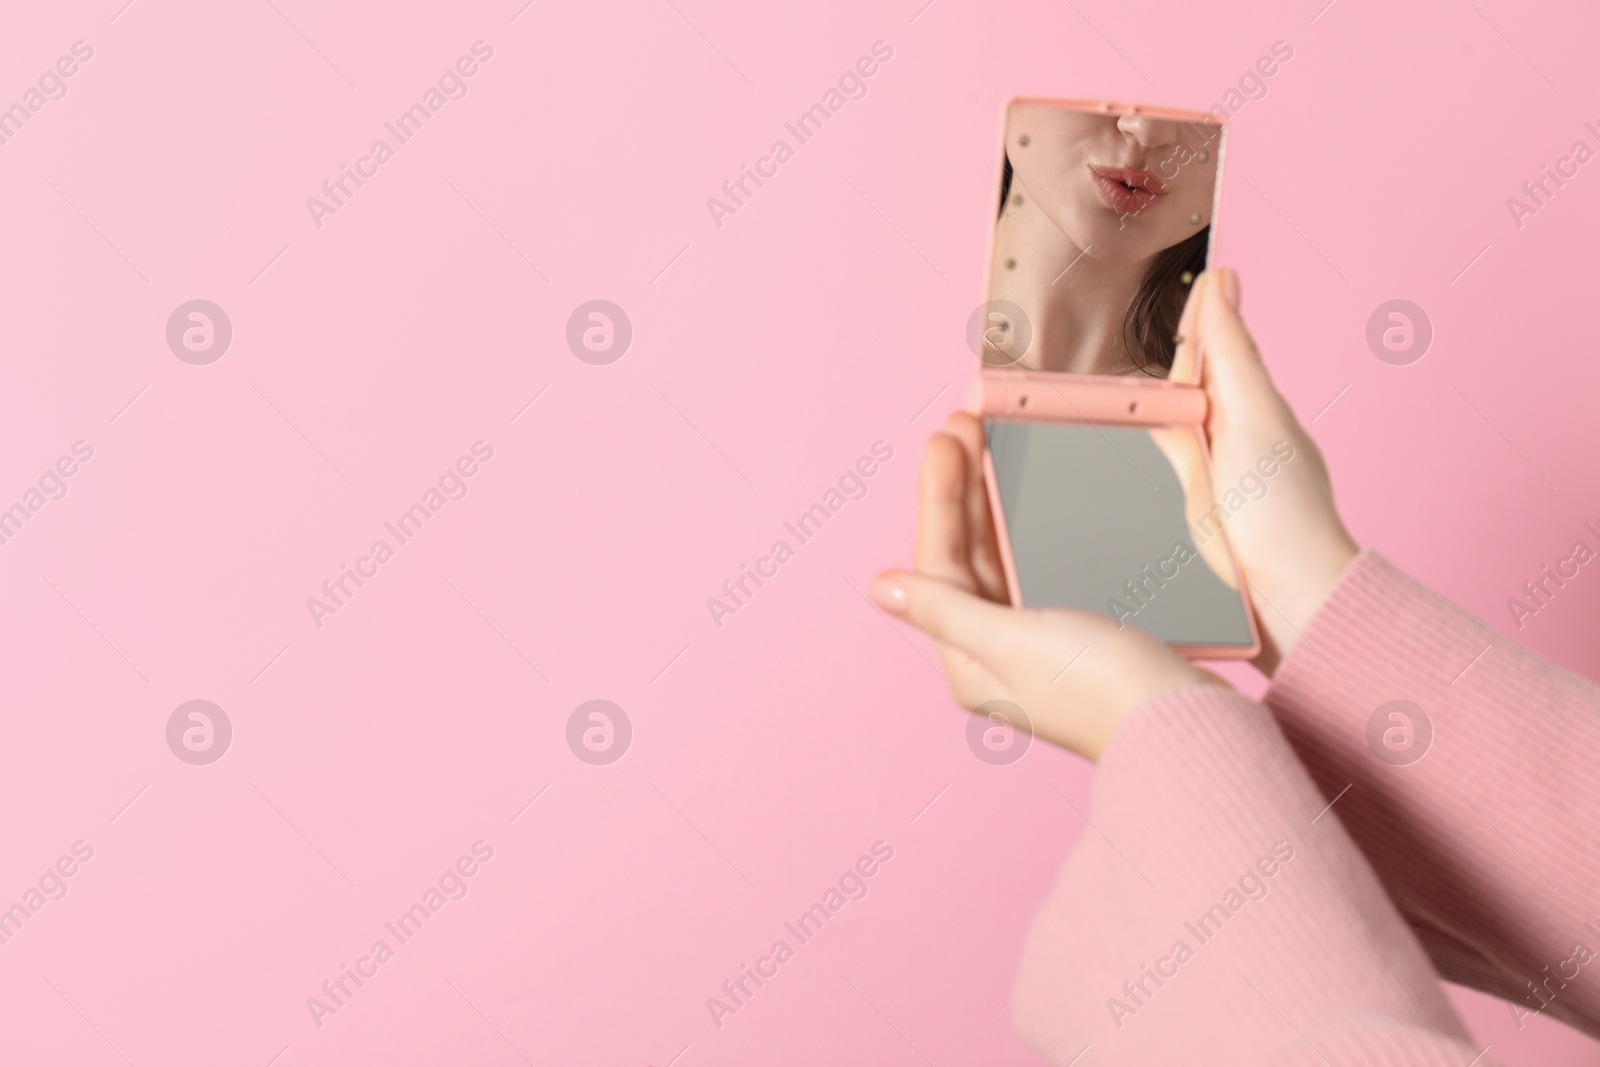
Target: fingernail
[
  {"x": 889, "y": 595},
  {"x": 1230, "y": 288}
]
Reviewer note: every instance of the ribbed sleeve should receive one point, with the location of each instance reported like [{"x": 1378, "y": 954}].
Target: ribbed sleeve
[
  {"x": 1216, "y": 911},
  {"x": 1488, "y": 842}
]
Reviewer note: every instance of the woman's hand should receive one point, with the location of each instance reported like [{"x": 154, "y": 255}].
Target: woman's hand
[
  {"x": 1077, "y": 675},
  {"x": 1290, "y": 541}
]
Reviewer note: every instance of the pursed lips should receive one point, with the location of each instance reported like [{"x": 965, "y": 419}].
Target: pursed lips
[{"x": 1127, "y": 190}]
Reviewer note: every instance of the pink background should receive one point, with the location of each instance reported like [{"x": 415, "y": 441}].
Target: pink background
[{"x": 768, "y": 354}]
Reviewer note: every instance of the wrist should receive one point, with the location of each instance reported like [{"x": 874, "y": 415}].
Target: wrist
[
  {"x": 1294, "y": 598},
  {"x": 1181, "y": 675}
]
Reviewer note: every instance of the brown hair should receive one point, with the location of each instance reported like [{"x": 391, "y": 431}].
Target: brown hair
[{"x": 1151, "y": 322}]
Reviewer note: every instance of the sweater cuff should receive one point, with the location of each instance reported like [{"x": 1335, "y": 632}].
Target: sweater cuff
[
  {"x": 1383, "y": 632},
  {"x": 1200, "y": 814},
  {"x": 1465, "y": 765}
]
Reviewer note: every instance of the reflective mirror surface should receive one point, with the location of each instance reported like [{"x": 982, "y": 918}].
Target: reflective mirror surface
[
  {"x": 1103, "y": 221},
  {"x": 1118, "y": 521}
]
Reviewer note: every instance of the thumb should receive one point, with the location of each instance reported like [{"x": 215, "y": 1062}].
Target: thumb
[
  {"x": 1232, "y": 371},
  {"x": 948, "y": 614}
]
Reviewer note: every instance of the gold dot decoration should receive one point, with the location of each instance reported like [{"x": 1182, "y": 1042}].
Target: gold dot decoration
[
  {"x": 1023, "y": 140},
  {"x": 1016, "y": 201},
  {"x": 1194, "y": 217},
  {"x": 1187, "y": 277},
  {"x": 1204, "y": 155}
]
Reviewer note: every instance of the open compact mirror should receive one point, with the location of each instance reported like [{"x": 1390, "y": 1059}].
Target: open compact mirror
[
  {"x": 1103, "y": 219},
  {"x": 1097, "y": 467}
]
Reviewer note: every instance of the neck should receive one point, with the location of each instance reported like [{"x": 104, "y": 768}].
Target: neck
[{"x": 1075, "y": 303}]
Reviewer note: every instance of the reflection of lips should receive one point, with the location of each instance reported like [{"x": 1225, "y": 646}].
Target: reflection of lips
[{"x": 1127, "y": 190}]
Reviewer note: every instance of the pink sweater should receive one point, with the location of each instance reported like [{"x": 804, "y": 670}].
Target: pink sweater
[{"x": 1218, "y": 910}]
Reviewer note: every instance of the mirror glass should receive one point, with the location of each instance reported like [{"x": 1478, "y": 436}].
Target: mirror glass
[
  {"x": 1119, "y": 520},
  {"x": 1102, "y": 222}
]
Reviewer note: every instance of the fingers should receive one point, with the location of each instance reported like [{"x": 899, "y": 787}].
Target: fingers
[
  {"x": 941, "y": 544},
  {"x": 982, "y": 546},
  {"x": 1233, "y": 373},
  {"x": 1229, "y": 279},
  {"x": 949, "y": 614},
  {"x": 1211, "y": 323},
  {"x": 1181, "y": 448}
]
